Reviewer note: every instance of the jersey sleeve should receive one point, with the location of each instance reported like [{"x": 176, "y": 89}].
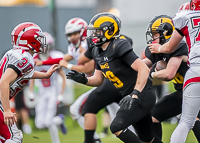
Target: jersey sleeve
[
  {"x": 180, "y": 23},
  {"x": 181, "y": 50},
  {"x": 129, "y": 57},
  {"x": 149, "y": 55},
  {"x": 121, "y": 47},
  {"x": 21, "y": 66},
  {"x": 88, "y": 53}
]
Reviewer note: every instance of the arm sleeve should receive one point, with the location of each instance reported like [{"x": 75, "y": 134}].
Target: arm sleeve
[
  {"x": 129, "y": 57},
  {"x": 52, "y": 61}
]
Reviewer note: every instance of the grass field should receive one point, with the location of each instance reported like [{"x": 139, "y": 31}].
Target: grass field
[{"x": 76, "y": 134}]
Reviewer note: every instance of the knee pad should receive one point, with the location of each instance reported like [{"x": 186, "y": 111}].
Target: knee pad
[
  {"x": 17, "y": 137},
  {"x": 116, "y": 126},
  {"x": 74, "y": 112}
]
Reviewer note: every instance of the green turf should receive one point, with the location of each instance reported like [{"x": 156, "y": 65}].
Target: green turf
[{"x": 76, "y": 134}]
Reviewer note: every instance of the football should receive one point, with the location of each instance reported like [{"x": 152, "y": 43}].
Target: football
[{"x": 160, "y": 65}]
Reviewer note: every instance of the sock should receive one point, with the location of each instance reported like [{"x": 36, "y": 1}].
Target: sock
[
  {"x": 80, "y": 121},
  {"x": 53, "y": 130},
  {"x": 89, "y": 136},
  {"x": 128, "y": 137},
  {"x": 105, "y": 130},
  {"x": 196, "y": 130},
  {"x": 157, "y": 129}
]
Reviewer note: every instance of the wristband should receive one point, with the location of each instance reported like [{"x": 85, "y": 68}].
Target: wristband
[
  {"x": 159, "y": 49},
  {"x": 136, "y": 92},
  {"x": 152, "y": 74},
  {"x": 69, "y": 66}
]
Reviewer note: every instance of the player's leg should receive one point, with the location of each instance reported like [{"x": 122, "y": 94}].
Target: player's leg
[
  {"x": 40, "y": 110},
  {"x": 190, "y": 108},
  {"x": 138, "y": 112},
  {"x": 75, "y": 110},
  {"x": 167, "y": 107},
  {"x": 97, "y": 100},
  {"x": 49, "y": 115},
  {"x": 8, "y": 132}
]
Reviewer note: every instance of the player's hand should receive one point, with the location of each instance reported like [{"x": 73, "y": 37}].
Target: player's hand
[
  {"x": 153, "y": 69},
  {"x": 38, "y": 62},
  {"x": 51, "y": 70},
  {"x": 63, "y": 63},
  {"x": 154, "y": 48},
  {"x": 60, "y": 98},
  {"x": 126, "y": 102},
  {"x": 9, "y": 117},
  {"x": 76, "y": 76}
]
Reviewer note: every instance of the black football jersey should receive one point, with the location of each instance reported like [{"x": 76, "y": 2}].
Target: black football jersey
[
  {"x": 113, "y": 67},
  {"x": 88, "y": 53},
  {"x": 181, "y": 50}
]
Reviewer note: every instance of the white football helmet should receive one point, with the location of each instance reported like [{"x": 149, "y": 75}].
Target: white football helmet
[{"x": 76, "y": 25}]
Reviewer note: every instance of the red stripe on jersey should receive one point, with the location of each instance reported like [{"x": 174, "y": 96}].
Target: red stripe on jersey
[
  {"x": 195, "y": 79},
  {"x": 81, "y": 107},
  {"x": 185, "y": 32},
  {"x": 3, "y": 63}
]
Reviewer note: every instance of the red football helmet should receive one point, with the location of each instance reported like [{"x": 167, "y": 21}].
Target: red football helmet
[
  {"x": 29, "y": 36},
  {"x": 185, "y": 6},
  {"x": 195, "y": 4},
  {"x": 76, "y": 25}
]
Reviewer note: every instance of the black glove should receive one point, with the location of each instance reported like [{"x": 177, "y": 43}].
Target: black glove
[
  {"x": 76, "y": 76},
  {"x": 152, "y": 70},
  {"x": 127, "y": 101}
]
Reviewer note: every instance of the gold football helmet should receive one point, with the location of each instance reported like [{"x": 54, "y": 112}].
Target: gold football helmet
[
  {"x": 103, "y": 27},
  {"x": 161, "y": 24}
]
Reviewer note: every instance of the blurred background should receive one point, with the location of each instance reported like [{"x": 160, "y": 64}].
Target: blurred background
[{"x": 52, "y": 15}]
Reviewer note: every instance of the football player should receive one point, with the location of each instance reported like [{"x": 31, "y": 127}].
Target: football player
[
  {"x": 160, "y": 29},
  {"x": 116, "y": 61},
  {"x": 17, "y": 67},
  {"x": 186, "y": 25},
  {"x": 49, "y": 89}
]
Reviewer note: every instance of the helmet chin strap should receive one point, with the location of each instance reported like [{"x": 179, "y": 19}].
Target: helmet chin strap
[{"x": 77, "y": 45}]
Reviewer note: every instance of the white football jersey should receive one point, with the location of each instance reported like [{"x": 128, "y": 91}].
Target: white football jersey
[
  {"x": 188, "y": 22},
  {"x": 74, "y": 52},
  {"x": 49, "y": 86},
  {"x": 20, "y": 61}
]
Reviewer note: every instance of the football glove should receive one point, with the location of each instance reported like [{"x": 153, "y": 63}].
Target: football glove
[
  {"x": 127, "y": 102},
  {"x": 76, "y": 76}
]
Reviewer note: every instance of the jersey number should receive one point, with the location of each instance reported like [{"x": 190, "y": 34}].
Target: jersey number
[
  {"x": 115, "y": 80},
  {"x": 178, "y": 79},
  {"x": 195, "y": 24}
]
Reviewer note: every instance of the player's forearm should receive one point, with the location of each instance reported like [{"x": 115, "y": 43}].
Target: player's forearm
[
  {"x": 142, "y": 78},
  {"x": 163, "y": 75},
  {"x": 40, "y": 75},
  {"x": 4, "y": 88},
  {"x": 52, "y": 61},
  {"x": 83, "y": 68}
]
